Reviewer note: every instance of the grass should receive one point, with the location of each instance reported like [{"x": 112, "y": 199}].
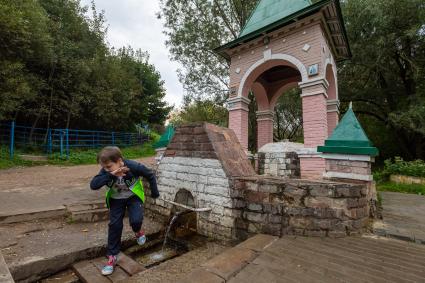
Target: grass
[
  {"x": 401, "y": 188},
  {"x": 76, "y": 157}
]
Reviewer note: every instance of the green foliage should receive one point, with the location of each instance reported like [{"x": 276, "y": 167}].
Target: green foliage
[
  {"x": 56, "y": 70},
  {"x": 194, "y": 28},
  {"x": 76, "y": 157},
  {"x": 402, "y": 188},
  {"x": 199, "y": 111},
  {"x": 408, "y": 168},
  {"x": 288, "y": 117},
  {"x": 384, "y": 78}
]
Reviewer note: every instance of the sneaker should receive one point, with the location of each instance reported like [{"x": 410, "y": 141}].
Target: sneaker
[
  {"x": 141, "y": 238},
  {"x": 109, "y": 267}
]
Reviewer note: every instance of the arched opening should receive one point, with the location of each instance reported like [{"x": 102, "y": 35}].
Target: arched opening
[
  {"x": 186, "y": 223},
  {"x": 332, "y": 100},
  {"x": 267, "y": 83},
  {"x": 288, "y": 118}
]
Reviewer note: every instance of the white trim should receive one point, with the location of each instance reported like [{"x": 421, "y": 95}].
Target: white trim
[
  {"x": 264, "y": 112},
  {"x": 308, "y": 152},
  {"x": 318, "y": 81},
  {"x": 314, "y": 93},
  {"x": 267, "y": 54},
  {"x": 239, "y": 99},
  {"x": 331, "y": 61},
  {"x": 348, "y": 176},
  {"x": 351, "y": 157},
  {"x": 291, "y": 59}
]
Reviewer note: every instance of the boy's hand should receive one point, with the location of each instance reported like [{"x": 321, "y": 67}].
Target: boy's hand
[{"x": 120, "y": 172}]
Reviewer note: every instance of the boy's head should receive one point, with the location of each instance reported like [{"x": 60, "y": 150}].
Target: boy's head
[{"x": 110, "y": 158}]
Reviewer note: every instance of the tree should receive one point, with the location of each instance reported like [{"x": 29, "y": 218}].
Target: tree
[
  {"x": 384, "y": 78},
  {"x": 56, "y": 70},
  {"x": 194, "y": 28},
  {"x": 288, "y": 117},
  {"x": 201, "y": 111}
]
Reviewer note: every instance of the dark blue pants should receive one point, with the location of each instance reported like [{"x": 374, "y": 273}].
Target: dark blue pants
[{"x": 117, "y": 209}]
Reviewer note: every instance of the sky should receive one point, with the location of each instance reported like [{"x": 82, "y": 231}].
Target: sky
[{"x": 134, "y": 23}]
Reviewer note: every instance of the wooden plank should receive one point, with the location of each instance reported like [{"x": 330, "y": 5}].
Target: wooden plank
[
  {"x": 88, "y": 273},
  {"x": 129, "y": 265},
  {"x": 118, "y": 275}
]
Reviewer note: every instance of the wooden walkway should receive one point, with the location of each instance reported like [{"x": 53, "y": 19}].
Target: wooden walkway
[{"x": 263, "y": 259}]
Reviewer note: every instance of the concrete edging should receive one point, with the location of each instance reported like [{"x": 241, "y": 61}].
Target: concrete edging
[{"x": 5, "y": 276}]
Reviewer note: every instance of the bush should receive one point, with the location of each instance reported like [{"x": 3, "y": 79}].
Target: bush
[{"x": 408, "y": 168}]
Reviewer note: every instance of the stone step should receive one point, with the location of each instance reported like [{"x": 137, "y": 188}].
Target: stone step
[
  {"x": 29, "y": 215},
  {"x": 89, "y": 271},
  {"x": 81, "y": 206},
  {"x": 5, "y": 276},
  {"x": 93, "y": 215}
]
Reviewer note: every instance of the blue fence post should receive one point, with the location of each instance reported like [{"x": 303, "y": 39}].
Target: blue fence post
[
  {"x": 61, "y": 142},
  {"x": 97, "y": 139},
  {"x": 67, "y": 142},
  {"x": 49, "y": 141},
  {"x": 113, "y": 138},
  {"x": 12, "y": 139}
]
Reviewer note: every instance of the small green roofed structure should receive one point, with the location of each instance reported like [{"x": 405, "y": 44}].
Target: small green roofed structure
[
  {"x": 271, "y": 11},
  {"x": 349, "y": 138},
  {"x": 166, "y": 137}
]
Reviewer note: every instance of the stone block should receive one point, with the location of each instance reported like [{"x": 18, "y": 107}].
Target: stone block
[
  {"x": 272, "y": 229},
  {"x": 268, "y": 188},
  {"x": 229, "y": 262},
  {"x": 258, "y": 242},
  {"x": 337, "y": 234},
  {"x": 214, "y": 181},
  {"x": 321, "y": 191},
  {"x": 238, "y": 203},
  {"x": 255, "y": 217},
  {"x": 217, "y": 190},
  {"x": 275, "y": 219},
  {"x": 254, "y": 228},
  {"x": 324, "y": 224},
  {"x": 251, "y": 196},
  {"x": 201, "y": 275},
  {"x": 251, "y": 186},
  {"x": 348, "y": 191},
  {"x": 315, "y": 233},
  {"x": 300, "y": 222},
  {"x": 255, "y": 207}
]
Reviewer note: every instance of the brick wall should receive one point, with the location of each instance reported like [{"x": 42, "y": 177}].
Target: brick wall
[{"x": 300, "y": 207}]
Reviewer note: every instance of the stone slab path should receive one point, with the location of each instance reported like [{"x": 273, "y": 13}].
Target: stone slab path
[
  {"x": 34, "y": 250},
  {"x": 300, "y": 259},
  {"x": 42, "y": 191},
  {"x": 90, "y": 271},
  {"x": 403, "y": 217}
]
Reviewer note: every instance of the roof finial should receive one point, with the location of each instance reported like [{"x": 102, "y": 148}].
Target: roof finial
[{"x": 350, "y": 105}]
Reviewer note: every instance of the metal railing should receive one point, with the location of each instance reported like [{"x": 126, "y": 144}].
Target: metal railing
[{"x": 62, "y": 140}]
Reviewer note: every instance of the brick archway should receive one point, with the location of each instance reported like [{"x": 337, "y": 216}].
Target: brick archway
[{"x": 306, "y": 37}]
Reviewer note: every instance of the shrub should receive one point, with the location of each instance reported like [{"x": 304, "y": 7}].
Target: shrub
[{"x": 408, "y": 168}]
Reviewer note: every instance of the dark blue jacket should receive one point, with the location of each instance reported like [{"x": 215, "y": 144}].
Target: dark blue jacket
[{"x": 104, "y": 178}]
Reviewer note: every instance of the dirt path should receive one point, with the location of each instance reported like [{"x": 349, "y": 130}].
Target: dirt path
[{"x": 47, "y": 187}]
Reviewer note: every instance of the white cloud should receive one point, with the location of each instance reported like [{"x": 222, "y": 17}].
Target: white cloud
[{"x": 134, "y": 22}]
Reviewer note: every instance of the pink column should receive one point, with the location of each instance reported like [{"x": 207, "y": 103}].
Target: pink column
[
  {"x": 333, "y": 113},
  {"x": 238, "y": 118},
  {"x": 264, "y": 127},
  {"x": 315, "y": 126}
]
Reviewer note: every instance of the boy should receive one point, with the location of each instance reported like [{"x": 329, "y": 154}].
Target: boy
[{"x": 125, "y": 191}]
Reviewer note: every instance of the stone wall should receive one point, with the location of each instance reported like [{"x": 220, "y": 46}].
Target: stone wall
[
  {"x": 202, "y": 158},
  {"x": 279, "y": 159},
  {"x": 208, "y": 162},
  {"x": 299, "y": 207}
]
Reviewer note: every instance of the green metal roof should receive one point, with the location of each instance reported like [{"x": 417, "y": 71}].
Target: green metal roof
[
  {"x": 270, "y": 11},
  {"x": 349, "y": 138},
  {"x": 166, "y": 137},
  {"x": 272, "y": 14}
]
